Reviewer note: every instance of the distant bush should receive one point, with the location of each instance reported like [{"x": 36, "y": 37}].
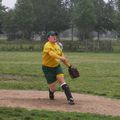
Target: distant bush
[
  {"x": 20, "y": 46},
  {"x": 92, "y": 46},
  {"x": 75, "y": 46}
]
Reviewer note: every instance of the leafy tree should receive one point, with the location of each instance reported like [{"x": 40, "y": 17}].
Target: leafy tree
[
  {"x": 40, "y": 15},
  {"x": 117, "y": 18},
  {"x": 84, "y": 16},
  {"x": 99, "y": 12},
  {"x": 10, "y": 25},
  {"x": 104, "y": 16},
  {"x": 2, "y": 11},
  {"x": 116, "y": 4},
  {"x": 50, "y": 15},
  {"x": 119, "y": 5},
  {"x": 117, "y": 23},
  {"x": 24, "y": 17},
  {"x": 109, "y": 16}
]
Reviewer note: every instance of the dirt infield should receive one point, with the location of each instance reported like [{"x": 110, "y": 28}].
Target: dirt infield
[{"x": 39, "y": 100}]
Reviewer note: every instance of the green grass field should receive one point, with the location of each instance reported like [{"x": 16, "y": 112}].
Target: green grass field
[
  {"x": 23, "y": 114},
  {"x": 100, "y": 72},
  {"x": 100, "y": 75}
]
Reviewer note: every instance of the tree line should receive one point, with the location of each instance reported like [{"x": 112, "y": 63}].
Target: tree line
[{"x": 31, "y": 17}]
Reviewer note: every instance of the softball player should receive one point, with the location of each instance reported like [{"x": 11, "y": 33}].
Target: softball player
[{"x": 51, "y": 55}]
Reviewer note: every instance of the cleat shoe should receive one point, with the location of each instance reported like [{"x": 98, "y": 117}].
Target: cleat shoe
[
  {"x": 51, "y": 95},
  {"x": 71, "y": 101}
]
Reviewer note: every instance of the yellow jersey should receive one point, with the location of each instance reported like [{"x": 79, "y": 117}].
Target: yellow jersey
[{"x": 51, "y": 54}]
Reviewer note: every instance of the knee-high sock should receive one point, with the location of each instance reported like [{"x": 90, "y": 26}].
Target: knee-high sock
[{"x": 67, "y": 91}]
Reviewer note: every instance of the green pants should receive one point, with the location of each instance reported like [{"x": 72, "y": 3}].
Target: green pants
[{"x": 51, "y": 73}]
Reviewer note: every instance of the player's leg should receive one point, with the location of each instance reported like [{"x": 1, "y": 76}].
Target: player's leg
[
  {"x": 66, "y": 89},
  {"x": 51, "y": 79},
  {"x": 52, "y": 88}
]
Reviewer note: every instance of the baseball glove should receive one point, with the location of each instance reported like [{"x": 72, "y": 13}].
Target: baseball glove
[{"x": 73, "y": 72}]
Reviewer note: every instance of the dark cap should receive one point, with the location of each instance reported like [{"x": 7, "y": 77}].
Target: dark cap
[{"x": 52, "y": 33}]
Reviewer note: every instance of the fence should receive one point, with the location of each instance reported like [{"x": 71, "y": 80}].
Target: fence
[{"x": 73, "y": 46}]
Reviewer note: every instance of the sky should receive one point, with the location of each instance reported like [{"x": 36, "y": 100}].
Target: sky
[{"x": 11, "y": 3}]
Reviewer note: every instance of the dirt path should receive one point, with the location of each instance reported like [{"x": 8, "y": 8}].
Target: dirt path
[{"x": 39, "y": 100}]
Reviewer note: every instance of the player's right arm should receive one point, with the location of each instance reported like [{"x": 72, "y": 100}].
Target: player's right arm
[{"x": 53, "y": 54}]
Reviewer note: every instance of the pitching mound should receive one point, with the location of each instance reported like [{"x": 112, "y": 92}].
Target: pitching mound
[{"x": 39, "y": 100}]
